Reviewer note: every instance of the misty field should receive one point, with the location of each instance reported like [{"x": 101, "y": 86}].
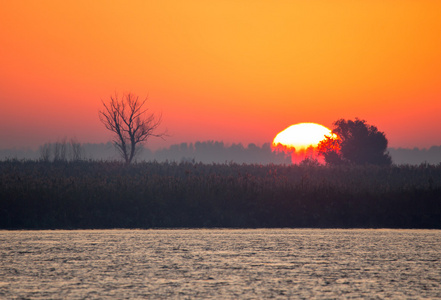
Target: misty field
[{"x": 92, "y": 194}]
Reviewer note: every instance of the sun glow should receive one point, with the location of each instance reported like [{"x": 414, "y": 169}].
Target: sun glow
[{"x": 301, "y": 140}]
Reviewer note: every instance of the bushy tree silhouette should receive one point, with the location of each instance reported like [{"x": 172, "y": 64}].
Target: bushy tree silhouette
[
  {"x": 355, "y": 142},
  {"x": 330, "y": 149},
  {"x": 127, "y": 118}
]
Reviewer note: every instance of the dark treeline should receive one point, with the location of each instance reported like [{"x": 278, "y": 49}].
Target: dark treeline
[
  {"x": 88, "y": 194},
  {"x": 416, "y": 156},
  {"x": 218, "y": 152},
  {"x": 208, "y": 152},
  {"x": 205, "y": 152}
]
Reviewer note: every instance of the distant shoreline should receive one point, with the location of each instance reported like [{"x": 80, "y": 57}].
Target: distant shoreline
[{"x": 217, "y": 152}]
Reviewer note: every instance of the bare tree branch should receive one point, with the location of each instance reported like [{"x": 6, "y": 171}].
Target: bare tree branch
[
  {"x": 76, "y": 150},
  {"x": 130, "y": 122}
]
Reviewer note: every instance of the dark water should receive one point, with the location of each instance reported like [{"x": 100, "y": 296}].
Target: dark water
[{"x": 205, "y": 263}]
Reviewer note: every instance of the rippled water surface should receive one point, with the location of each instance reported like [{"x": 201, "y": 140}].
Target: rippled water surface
[{"x": 220, "y": 263}]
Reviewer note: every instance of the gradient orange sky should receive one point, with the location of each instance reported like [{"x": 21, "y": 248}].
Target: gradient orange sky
[{"x": 232, "y": 71}]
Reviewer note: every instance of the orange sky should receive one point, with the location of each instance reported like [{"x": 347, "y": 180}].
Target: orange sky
[{"x": 233, "y": 71}]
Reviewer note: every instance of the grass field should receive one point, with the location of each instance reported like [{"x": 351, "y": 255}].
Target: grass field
[{"x": 94, "y": 194}]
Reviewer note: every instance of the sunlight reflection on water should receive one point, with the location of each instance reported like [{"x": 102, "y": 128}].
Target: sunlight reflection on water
[{"x": 220, "y": 263}]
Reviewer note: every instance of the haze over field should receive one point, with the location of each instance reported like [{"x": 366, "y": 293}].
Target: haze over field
[
  {"x": 219, "y": 152},
  {"x": 232, "y": 71}
]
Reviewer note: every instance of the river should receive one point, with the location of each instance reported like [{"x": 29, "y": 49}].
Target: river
[{"x": 220, "y": 263}]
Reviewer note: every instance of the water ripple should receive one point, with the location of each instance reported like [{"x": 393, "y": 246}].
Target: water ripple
[{"x": 220, "y": 263}]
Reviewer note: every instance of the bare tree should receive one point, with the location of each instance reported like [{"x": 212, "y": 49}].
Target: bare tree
[
  {"x": 56, "y": 150},
  {"x": 77, "y": 151},
  {"x": 128, "y": 119},
  {"x": 60, "y": 150},
  {"x": 45, "y": 152}
]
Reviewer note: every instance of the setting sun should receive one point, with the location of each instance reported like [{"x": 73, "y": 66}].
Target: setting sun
[
  {"x": 300, "y": 140},
  {"x": 301, "y": 136}
]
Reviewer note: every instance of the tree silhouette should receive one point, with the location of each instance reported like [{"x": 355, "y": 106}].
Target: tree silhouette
[
  {"x": 355, "y": 142},
  {"x": 128, "y": 120},
  {"x": 330, "y": 149}
]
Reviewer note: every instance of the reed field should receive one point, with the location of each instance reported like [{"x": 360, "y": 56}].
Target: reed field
[{"x": 103, "y": 194}]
